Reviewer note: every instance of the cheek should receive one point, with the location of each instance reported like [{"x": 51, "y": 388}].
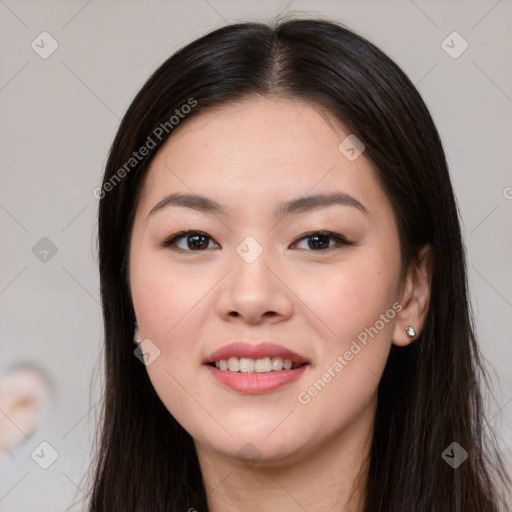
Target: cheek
[
  {"x": 358, "y": 304},
  {"x": 166, "y": 298},
  {"x": 170, "y": 313},
  {"x": 353, "y": 297}
]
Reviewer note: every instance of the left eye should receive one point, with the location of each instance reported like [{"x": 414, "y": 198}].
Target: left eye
[{"x": 321, "y": 240}]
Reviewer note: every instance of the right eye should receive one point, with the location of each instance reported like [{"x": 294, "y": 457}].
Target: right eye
[{"x": 193, "y": 241}]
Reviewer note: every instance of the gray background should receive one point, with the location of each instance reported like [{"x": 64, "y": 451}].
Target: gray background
[{"x": 58, "y": 119}]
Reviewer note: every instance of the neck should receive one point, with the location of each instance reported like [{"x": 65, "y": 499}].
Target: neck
[{"x": 330, "y": 477}]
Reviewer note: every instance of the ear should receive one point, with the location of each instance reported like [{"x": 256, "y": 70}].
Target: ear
[
  {"x": 24, "y": 394},
  {"x": 414, "y": 297}
]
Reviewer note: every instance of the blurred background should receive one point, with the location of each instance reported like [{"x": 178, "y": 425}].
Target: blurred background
[{"x": 68, "y": 71}]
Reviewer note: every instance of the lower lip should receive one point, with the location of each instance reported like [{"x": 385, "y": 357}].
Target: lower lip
[{"x": 254, "y": 383}]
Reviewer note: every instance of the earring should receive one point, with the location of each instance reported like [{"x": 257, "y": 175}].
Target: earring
[
  {"x": 411, "y": 332},
  {"x": 136, "y": 339}
]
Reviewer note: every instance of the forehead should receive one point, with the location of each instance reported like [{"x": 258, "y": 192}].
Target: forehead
[
  {"x": 258, "y": 146},
  {"x": 256, "y": 123}
]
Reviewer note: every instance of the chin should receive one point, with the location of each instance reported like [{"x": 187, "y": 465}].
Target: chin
[{"x": 252, "y": 446}]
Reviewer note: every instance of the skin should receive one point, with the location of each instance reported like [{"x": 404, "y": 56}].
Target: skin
[{"x": 251, "y": 156}]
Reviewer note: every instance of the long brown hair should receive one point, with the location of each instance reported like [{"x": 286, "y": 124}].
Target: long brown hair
[{"x": 145, "y": 461}]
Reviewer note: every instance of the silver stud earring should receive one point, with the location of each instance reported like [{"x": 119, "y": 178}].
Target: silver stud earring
[
  {"x": 411, "y": 332},
  {"x": 136, "y": 339}
]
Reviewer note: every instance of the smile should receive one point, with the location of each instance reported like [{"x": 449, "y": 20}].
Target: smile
[
  {"x": 260, "y": 365},
  {"x": 255, "y": 368}
]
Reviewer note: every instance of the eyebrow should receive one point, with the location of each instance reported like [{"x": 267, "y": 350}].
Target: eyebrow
[{"x": 294, "y": 206}]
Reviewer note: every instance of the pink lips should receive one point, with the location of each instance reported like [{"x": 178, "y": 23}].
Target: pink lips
[
  {"x": 241, "y": 349},
  {"x": 255, "y": 383}
]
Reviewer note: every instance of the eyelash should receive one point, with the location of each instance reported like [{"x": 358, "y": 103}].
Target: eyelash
[{"x": 339, "y": 239}]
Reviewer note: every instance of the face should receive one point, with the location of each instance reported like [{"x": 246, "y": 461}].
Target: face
[{"x": 259, "y": 265}]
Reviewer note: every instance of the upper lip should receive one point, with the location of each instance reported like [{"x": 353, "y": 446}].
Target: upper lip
[{"x": 252, "y": 351}]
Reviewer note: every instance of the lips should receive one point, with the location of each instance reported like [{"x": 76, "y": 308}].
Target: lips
[
  {"x": 250, "y": 351},
  {"x": 261, "y": 380}
]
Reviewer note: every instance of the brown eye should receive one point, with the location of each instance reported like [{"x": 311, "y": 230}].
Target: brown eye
[
  {"x": 188, "y": 241},
  {"x": 320, "y": 241},
  {"x": 196, "y": 242}
]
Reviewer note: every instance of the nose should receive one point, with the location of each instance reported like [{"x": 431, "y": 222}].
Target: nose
[{"x": 255, "y": 292}]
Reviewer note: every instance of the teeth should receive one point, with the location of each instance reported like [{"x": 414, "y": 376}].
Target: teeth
[
  {"x": 233, "y": 364},
  {"x": 263, "y": 365},
  {"x": 246, "y": 365},
  {"x": 277, "y": 363}
]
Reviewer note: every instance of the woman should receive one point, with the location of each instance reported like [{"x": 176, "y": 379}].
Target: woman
[{"x": 279, "y": 236}]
